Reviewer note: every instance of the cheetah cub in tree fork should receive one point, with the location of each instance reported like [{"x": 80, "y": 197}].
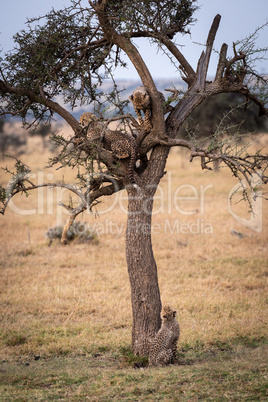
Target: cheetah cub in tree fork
[
  {"x": 164, "y": 346},
  {"x": 141, "y": 101}
]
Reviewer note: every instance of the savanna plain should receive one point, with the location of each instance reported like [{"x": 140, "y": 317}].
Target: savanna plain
[{"x": 66, "y": 310}]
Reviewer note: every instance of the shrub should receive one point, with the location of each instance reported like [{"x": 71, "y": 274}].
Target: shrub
[{"x": 81, "y": 232}]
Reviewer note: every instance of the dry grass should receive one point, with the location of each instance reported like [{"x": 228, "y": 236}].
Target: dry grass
[
  {"x": 217, "y": 281},
  {"x": 75, "y": 299}
]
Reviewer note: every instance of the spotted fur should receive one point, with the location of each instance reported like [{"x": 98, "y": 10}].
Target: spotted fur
[
  {"x": 142, "y": 102},
  {"x": 163, "y": 349},
  {"x": 119, "y": 143}
]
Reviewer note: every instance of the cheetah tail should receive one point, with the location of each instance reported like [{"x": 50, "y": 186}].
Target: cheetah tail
[{"x": 131, "y": 167}]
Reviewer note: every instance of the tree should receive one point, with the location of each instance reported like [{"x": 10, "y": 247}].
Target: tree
[{"x": 70, "y": 54}]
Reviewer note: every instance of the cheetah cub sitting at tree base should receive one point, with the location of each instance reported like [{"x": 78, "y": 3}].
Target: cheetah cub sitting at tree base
[
  {"x": 120, "y": 144},
  {"x": 141, "y": 101},
  {"x": 163, "y": 349}
]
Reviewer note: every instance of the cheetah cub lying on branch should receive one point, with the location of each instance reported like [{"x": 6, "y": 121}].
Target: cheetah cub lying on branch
[
  {"x": 163, "y": 349},
  {"x": 119, "y": 143}
]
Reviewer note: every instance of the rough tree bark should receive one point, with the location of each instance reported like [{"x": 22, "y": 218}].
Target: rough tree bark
[{"x": 142, "y": 269}]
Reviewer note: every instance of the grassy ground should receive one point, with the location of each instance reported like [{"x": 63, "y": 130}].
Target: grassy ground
[
  {"x": 217, "y": 373},
  {"x": 66, "y": 314}
]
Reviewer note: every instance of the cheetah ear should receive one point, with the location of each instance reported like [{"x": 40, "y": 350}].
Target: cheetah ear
[
  {"x": 131, "y": 97},
  {"x": 174, "y": 313}
]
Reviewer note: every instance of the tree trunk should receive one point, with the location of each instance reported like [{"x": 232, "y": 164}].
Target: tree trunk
[
  {"x": 142, "y": 269},
  {"x": 145, "y": 295}
]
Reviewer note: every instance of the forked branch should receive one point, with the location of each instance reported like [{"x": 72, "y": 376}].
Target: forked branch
[
  {"x": 230, "y": 77},
  {"x": 204, "y": 59},
  {"x": 241, "y": 166},
  {"x": 21, "y": 183}
]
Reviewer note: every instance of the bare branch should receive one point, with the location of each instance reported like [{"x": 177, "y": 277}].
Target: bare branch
[
  {"x": 122, "y": 117},
  {"x": 229, "y": 64},
  {"x": 205, "y": 56},
  {"x": 12, "y": 191},
  {"x": 221, "y": 62},
  {"x": 245, "y": 166},
  {"x": 22, "y": 184},
  {"x": 263, "y": 111},
  {"x": 185, "y": 65},
  {"x": 73, "y": 214},
  {"x": 33, "y": 98},
  {"x": 89, "y": 200}
]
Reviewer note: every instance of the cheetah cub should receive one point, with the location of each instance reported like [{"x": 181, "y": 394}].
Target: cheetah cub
[
  {"x": 164, "y": 346},
  {"x": 142, "y": 102},
  {"x": 119, "y": 143}
]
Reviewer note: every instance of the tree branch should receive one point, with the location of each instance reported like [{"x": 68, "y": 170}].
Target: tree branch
[
  {"x": 73, "y": 214},
  {"x": 42, "y": 100},
  {"x": 225, "y": 81},
  {"x": 203, "y": 62},
  {"x": 87, "y": 202},
  {"x": 127, "y": 46},
  {"x": 22, "y": 184},
  {"x": 246, "y": 165},
  {"x": 11, "y": 192},
  {"x": 185, "y": 65},
  {"x": 222, "y": 62}
]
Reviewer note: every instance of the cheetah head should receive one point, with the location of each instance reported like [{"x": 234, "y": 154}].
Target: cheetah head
[
  {"x": 140, "y": 97},
  {"x": 168, "y": 313},
  {"x": 87, "y": 118}
]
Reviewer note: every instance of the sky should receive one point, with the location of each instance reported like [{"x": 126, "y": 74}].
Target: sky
[{"x": 239, "y": 19}]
